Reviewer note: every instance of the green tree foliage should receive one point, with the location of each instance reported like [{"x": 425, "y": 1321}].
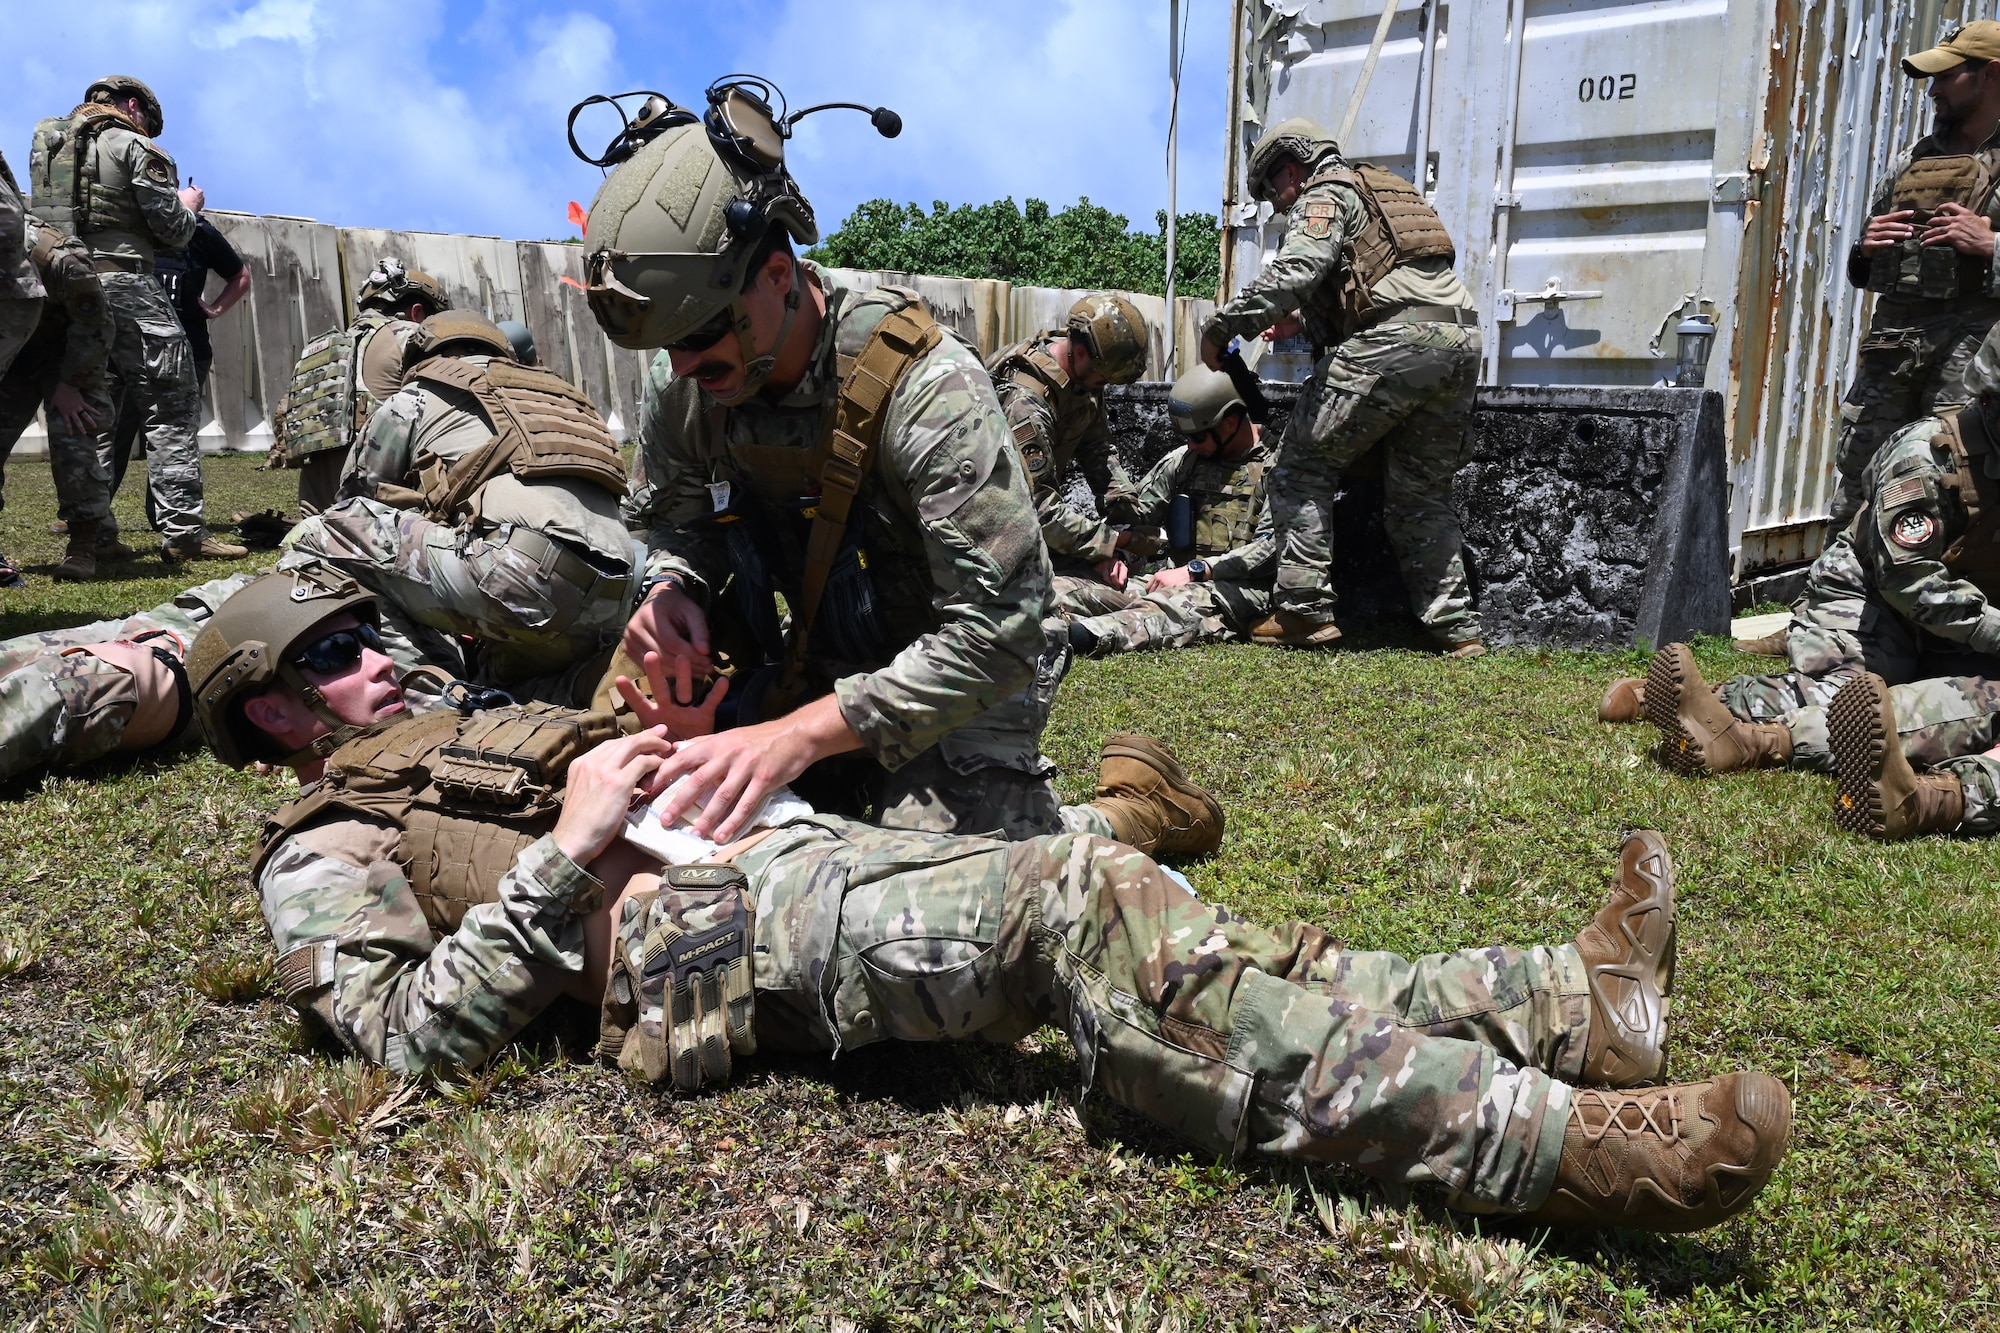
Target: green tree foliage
[{"x": 1082, "y": 246}]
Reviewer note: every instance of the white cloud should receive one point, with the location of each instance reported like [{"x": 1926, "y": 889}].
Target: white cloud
[
  {"x": 416, "y": 113},
  {"x": 271, "y": 20},
  {"x": 1059, "y": 100}
]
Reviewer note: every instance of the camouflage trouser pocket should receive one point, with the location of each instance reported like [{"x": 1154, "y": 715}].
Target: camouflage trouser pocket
[
  {"x": 1889, "y": 360},
  {"x": 1444, "y": 337}
]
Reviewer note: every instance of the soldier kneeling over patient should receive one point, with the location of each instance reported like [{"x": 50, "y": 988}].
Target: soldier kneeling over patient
[{"x": 445, "y": 878}]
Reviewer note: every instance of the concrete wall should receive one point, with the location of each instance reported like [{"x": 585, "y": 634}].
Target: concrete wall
[
  {"x": 1594, "y": 518},
  {"x": 303, "y": 275}
]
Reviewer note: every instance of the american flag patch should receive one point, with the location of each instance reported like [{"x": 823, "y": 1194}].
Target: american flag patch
[{"x": 1907, "y": 491}]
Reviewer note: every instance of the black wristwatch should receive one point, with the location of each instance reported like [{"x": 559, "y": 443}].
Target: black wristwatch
[
  {"x": 1198, "y": 570},
  {"x": 671, "y": 580}
]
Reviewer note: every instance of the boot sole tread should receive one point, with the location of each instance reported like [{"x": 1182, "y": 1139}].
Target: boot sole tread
[
  {"x": 1854, "y": 726},
  {"x": 1665, "y": 679}
]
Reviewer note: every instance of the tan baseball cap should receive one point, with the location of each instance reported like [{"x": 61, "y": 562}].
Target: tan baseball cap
[{"x": 1974, "y": 41}]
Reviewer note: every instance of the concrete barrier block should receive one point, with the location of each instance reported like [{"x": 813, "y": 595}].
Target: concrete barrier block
[{"x": 1594, "y": 517}]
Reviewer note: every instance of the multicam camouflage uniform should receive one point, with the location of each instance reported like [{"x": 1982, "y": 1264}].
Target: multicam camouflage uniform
[
  {"x": 1448, "y": 1069},
  {"x": 1059, "y": 425},
  {"x": 150, "y": 360},
  {"x": 930, "y": 633},
  {"x": 1231, "y": 505},
  {"x": 71, "y": 345},
  {"x": 20, "y": 286},
  {"x": 490, "y": 578},
  {"x": 1979, "y": 779},
  {"x": 1405, "y": 381},
  {"x": 1914, "y": 355},
  {"x": 65, "y": 707},
  {"x": 1874, "y": 603}
]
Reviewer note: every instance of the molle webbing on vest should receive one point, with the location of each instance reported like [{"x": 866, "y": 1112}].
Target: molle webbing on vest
[
  {"x": 1976, "y": 554},
  {"x": 543, "y": 429},
  {"x": 62, "y": 171},
  {"x": 468, "y": 793},
  {"x": 1040, "y": 375},
  {"x": 326, "y": 407},
  {"x": 897, "y": 343},
  {"x": 1225, "y": 507},
  {"x": 1935, "y": 272},
  {"x": 1402, "y": 228}
]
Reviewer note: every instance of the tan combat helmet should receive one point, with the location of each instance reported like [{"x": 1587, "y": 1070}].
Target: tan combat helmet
[
  {"x": 390, "y": 286},
  {"x": 1113, "y": 332},
  {"x": 456, "y": 333},
  {"x": 248, "y": 644},
  {"x": 112, "y": 87},
  {"x": 1200, "y": 400},
  {"x": 1294, "y": 140},
  {"x": 689, "y": 203}
]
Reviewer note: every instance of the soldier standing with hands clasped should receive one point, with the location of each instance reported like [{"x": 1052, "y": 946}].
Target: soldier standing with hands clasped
[{"x": 1928, "y": 251}]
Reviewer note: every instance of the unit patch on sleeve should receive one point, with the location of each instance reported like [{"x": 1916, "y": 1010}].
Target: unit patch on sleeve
[{"x": 1913, "y": 529}]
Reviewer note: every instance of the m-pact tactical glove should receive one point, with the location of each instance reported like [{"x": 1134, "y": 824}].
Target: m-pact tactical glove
[{"x": 680, "y": 1001}]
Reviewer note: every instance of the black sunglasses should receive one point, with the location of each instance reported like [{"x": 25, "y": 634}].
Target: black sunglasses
[
  {"x": 339, "y": 650},
  {"x": 707, "y": 336}
]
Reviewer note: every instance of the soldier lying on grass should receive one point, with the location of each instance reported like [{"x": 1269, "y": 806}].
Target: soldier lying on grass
[{"x": 443, "y": 879}]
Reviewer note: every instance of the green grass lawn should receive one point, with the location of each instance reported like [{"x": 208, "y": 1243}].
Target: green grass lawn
[{"x": 174, "y": 1156}]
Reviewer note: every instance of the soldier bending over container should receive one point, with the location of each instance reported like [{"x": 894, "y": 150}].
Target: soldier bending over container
[
  {"x": 442, "y": 881},
  {"x": 1226, "y": 587},
  {"x": 1365, "y": 270}
]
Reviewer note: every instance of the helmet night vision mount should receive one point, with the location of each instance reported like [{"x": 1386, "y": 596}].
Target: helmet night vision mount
[{"x": 741, "y": 122}]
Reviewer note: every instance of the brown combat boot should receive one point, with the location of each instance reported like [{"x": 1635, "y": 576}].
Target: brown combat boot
[
  {"x": 1771, "y": 645},
  {"x": 1456, "y": 644},
  {"x": 1289, "y": 629},
  {"x": 1699, "y": 735},
  {"x": 1151, "y": 801},
  {"x": 1680, "y": 1158},
  {"x": 1628, "y": 953},
  {"x": 79, "y": 560},
  {"x": 208, "y": 548},
  {"x": 1625, "y": 701},
  {"x": 1880, "y": 794},
  {"x": 110, "y": 549}
]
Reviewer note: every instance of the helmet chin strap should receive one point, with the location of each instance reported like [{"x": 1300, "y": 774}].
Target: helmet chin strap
[
  {"x": 319, "y": 747},
  {"x": 757, "y": 369}
]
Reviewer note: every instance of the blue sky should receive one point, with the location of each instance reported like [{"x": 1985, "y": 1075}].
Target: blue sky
[{"x": 446, "y": 115}]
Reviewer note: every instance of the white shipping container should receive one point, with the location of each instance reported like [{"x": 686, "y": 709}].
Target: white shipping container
[{"x": 1611, "y": 167}]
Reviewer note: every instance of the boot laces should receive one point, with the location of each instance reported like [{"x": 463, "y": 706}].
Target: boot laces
[{"x": 1659, "y": 1109}]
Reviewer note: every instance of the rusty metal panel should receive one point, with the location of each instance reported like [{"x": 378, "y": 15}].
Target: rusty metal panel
[{"x": 1837, "y": 110}]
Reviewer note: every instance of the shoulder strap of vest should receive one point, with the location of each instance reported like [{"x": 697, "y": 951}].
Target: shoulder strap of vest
[
  {"x": 1337, "y": 173},
  {"x": 895, "y": 345},
  {"x": 1045, "y": 376}
]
